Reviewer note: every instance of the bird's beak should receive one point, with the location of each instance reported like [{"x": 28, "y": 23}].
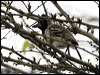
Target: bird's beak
[{"x": 37, "y": 25}]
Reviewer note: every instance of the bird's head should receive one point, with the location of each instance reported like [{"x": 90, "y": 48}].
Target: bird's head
[{"x": 42, "y": 24}]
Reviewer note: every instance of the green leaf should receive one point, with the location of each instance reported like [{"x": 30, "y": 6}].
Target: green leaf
[{"x": 25, "y": 45}]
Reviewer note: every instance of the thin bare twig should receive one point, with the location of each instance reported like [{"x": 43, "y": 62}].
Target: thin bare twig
[
  {"x": 38, "y": 7},
  {"x": 78, "y": 30},
  {"x": 14, "y": 69},
  {"x": 5, "y": 36}
]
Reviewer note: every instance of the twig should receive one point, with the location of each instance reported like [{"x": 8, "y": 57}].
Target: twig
[
  {"x": 87, "y": 51},
  {"x": 14, "y": 69},
  {"x": 38, "y": 7},
  {"x": 78, "y": 30},
  {"x": 12, "y": 50},
  {"x": 25, "y": 4},
  {"x": 5, "y": 35},
  {"x": 60, "y": 20}
]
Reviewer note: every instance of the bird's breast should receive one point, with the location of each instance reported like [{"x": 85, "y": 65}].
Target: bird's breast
[{"x": 57, "y": 40}]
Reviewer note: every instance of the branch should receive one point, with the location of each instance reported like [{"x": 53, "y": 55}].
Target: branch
[
  {"x": 35, "y": 17},
  {"x": 14, "y": 69},
  {"x": 34, "y": 66},
  {"x": 43, "y": 45},
  {"x": 63, "y": 58},
  {"x": 12, "y": 50},
  {"x": 74, "y": 26}
]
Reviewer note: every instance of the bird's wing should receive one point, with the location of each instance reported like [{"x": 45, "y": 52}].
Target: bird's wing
[{"x": 60, "y": 31}]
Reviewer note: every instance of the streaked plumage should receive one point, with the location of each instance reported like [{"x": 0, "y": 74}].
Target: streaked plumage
[{"x": 60, "y": 34}]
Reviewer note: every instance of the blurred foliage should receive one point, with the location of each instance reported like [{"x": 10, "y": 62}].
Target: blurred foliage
[{"x": 27, "y": 45}]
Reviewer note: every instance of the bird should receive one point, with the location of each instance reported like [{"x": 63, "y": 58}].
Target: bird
[{"x": 59, "y": 33}]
